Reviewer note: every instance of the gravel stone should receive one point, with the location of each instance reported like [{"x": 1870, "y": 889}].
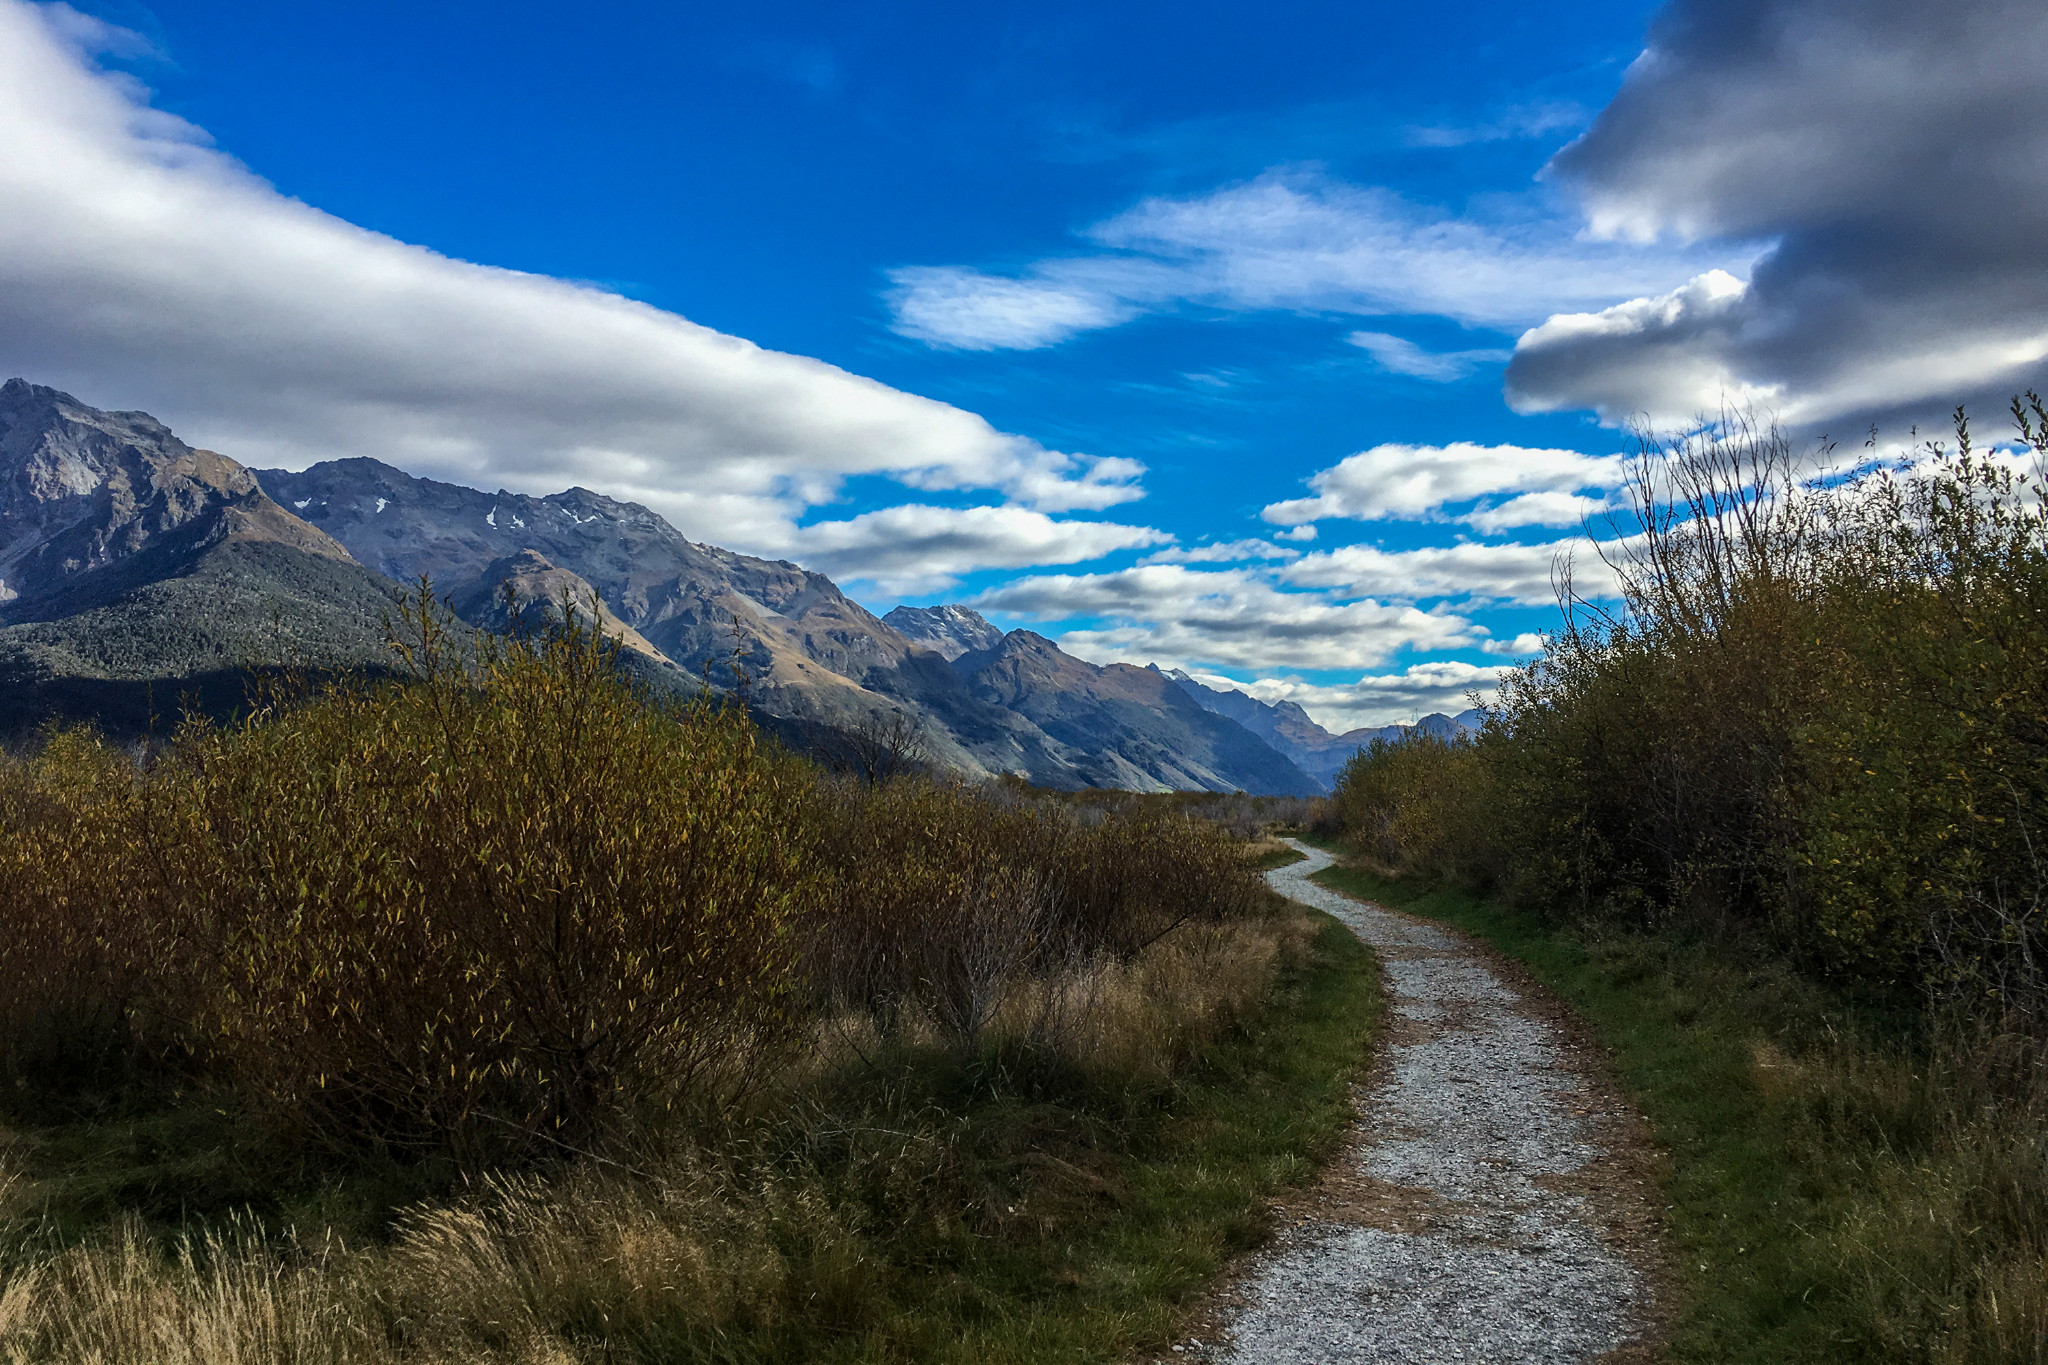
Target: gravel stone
[{"x": 1474, "y": 1124}]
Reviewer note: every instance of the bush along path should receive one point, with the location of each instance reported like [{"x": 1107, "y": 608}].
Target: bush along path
[{"x": 1495, "y": 1204}]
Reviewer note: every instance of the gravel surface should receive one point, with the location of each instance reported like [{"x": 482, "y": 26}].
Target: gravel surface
[{"x": 1463, "y": 1225}]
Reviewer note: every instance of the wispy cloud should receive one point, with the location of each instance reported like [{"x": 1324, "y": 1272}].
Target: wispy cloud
[
  {"x": 916, "y": 549},
  {"x": 1291, "y": 240},
  {"x": 970, "y": 311},
  {"x": 1472, "y": 572},
  {"x": 1236, "y": 618},
  {"x": 1223, "y": 552},
  {"x": 1401, "y": 356},
  {"x": 1512, "y": 124}
]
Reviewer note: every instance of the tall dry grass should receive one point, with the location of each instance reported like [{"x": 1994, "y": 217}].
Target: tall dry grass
[
  {"x": 795, "y": 1231},
  {"x": 713, "y": 1044}
]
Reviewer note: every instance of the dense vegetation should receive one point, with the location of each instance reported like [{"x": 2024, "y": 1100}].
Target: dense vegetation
[
  {"x": 1798, "y": 780},
  {"x": 513, "y": 1012}
]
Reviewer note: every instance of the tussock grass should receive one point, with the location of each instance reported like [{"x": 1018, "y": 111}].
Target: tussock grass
[{"x": 918, "y": 1208}]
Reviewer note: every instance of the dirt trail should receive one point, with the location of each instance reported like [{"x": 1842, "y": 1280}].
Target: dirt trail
[{"x": 1495, "y": 1204}]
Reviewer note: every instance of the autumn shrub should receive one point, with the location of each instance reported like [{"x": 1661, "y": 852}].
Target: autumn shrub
[
  {"x": 512, "y": 903},
  {"x": 1815, "y": 720},
  {"x": 82, "y": 937},
  {"x": 1418, "y": 804},
  {"x": 1924, "y": 775}
]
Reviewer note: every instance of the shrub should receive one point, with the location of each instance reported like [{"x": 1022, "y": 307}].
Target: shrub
[
  {"x": 513, "y": 905},
  {"x": 81, "y": 942},
  {"x": 509, "y": 903},
  {"x": 1418, "y": 804},
  {"x": 1816, "y": 718}
]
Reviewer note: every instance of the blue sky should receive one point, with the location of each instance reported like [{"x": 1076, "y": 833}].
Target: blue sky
[{"x": 1217, "y": 302}]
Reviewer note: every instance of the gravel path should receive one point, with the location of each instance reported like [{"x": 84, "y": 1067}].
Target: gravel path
[{"x": 1484, "y": 1213}]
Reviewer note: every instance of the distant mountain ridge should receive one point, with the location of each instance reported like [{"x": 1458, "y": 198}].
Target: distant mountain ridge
[
  {"x": 1313, "y": 749},
  {"x": 1136, "y": 726},
  {"x": 806, "y": 650},
  {"x": 136, "y": 571}
]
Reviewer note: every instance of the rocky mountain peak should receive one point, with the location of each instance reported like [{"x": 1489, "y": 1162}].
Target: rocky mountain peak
[
  {"x": 86, "y": 496},
  {"x": 526, "y": 589},
  {"x": 950, "y": 630}
]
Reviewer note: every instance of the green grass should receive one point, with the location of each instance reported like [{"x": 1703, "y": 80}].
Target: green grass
[
  {"x": 1277, "y": 857},
  {"x": 1261, "y": 1111},
  {"x": 1799, "y": 1154},
  {"x": 1127, "y": 1201}
]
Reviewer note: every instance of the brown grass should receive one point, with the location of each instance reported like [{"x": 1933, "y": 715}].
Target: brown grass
[{"x": 758, "y": 1239}]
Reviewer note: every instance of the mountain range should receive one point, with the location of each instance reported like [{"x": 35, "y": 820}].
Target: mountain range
[
  {"x": 1289, "y": 730},
  {"x": 136, "y": 571}
]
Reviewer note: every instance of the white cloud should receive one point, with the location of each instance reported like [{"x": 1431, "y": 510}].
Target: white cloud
[
  {"x": 1225, "y": 552},
  {"x": 1235, "y": 618},
  {"x": 141, "y": 268},
  {"x": 1896, "y": 154},
  {"x": 1410, "y": 482},
  {"x": 915, "y": 549},
  {"x": 1439, "y": 687},
  {"x": 971, "y": 311},
  {"x": 1291, "y": 241},
  {"x": 1045, "y": 479},
  {"x": 1665, "y": 357},
  {"x": 1472, "y": 571},
  {"x": 1401, "y": 356},
  {"x": 1520, "y": 647},
  {"x": 1536, "y": 509}
]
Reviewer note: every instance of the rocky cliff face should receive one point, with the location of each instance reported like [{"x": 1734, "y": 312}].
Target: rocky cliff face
[
  {"x": 95, "y": 503},
  {"x": 947, "y": 631}
]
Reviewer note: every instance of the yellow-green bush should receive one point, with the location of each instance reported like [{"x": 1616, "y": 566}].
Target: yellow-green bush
[
  {"x": 1417, "y": 803},
  {"x": 514, "y": 900},
  {"x": 1817, "y": 717},
  {"x": 82, "y": 932}
]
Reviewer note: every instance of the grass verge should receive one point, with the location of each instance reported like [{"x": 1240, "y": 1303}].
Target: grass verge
[
  {"x": 1266, "y": 859},
  {"x": 1830, "y": 1199},
  {"x": 935, "y": 1211},
  {"x": 1262, "y": 1111}
]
